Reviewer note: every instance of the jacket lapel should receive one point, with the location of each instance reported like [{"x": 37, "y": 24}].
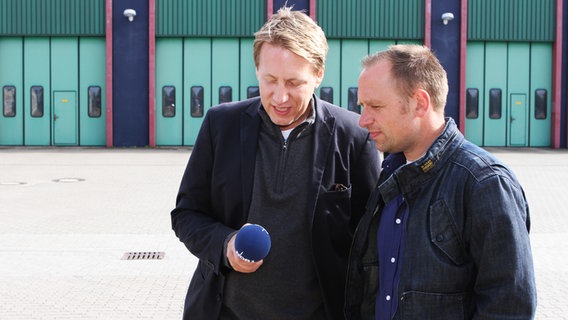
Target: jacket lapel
[
  {"x": 250, "y": 126},
  {"x": 324, "y": 127}
]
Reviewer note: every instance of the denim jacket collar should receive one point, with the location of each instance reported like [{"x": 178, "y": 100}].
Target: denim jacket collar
[{"x": 409, "y": 178}]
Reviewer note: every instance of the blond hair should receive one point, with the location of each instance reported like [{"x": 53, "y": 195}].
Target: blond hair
[
  {"x": 295, "y": 31},
  {"x": 414, "y": 67}
]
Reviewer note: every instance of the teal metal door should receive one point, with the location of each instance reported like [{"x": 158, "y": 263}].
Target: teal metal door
[
  {"x": 475, "y": 88},
  {"x": 343, "y": 66},
  {"x": 330, "y": 88},
  {"x": 518, "y": 120},
  {"x": 247, "y": 74},
  {"x": 92, "y": 91},
  {"x": 508, "y": 89},
  {"x": 495, "y": 119},
  {"x": 540, "y": 103},
  {"x": 197, "y": 85},
  {"x": 169, "y": 91},
  {"x": 11, "y": 93},
  {"x": 65, "y": 85},
  {"x": 225, "y": 70},
  {"x": 37, "y": 123},
  {"x": 64, "y": 118},
  {"x": 352, "y": 51}
]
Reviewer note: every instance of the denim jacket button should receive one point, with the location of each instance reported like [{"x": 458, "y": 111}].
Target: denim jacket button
[{"x": 440, "y": 237}]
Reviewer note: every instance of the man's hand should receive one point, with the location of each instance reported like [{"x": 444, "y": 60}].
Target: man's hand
[{"x": 237, "y": 263}]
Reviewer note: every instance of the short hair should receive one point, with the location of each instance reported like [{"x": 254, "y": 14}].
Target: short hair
[
  {"x": 295, "y": 31},
  {"x": 414, "y": 67}
]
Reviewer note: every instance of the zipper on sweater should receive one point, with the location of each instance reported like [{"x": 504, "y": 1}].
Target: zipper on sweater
[{"x": 281, "y": 166}]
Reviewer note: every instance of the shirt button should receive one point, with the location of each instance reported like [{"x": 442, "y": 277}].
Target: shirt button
[
  {"x": 388, "y": 298},
  {"x": 393, "y": 259},
  {"x": 398, "y": 221}
]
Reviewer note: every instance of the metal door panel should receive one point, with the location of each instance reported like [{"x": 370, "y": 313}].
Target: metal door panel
[
  {"x": 379, "y": 45},
  {"x": 540, "y": 78},
  {"x": 169, "y": 54},
  {"x": 495, "y": 129},
  {"x": 475, "y": 72},
  {"x": 11, "y": 77},
  {"x": 352, "y": 51},
  {"x": 247, "y": 76},
  {"x": 518, "y": 120},
  {"x": 37, "y": 130},
  {"x": 225, "y": 68},
  {"x": 92, "y": 73},
  {"x": 518, "y": 86},
  {"x": 197, "y": 75},
  {"x": 64, "y": 64},
  {"x": 332, "y": 75},
  {"x": 64, "y": 118}
]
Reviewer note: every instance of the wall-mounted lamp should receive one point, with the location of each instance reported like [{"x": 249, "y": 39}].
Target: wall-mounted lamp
[
  {"x": 447, "y": 16},
  {"x": 130, "y": 14}
]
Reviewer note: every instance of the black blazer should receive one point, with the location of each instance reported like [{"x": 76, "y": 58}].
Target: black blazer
[{"x": 215, "y": 194}]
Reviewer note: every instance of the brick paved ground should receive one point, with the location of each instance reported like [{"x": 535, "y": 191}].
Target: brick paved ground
[{"x": 61, "y": 243}]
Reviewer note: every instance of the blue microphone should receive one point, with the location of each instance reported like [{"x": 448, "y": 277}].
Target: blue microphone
[{"x": 252, "y": 243}]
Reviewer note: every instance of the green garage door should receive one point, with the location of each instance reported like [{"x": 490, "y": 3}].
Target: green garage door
[
  {"x": 197, "y": 85},
  {"x": 92, "y": 91},
  {"x": 64, "y": 118},
  {"x": 65, "y": 85},
  {"x": 11, "y": 84},
  {"x": 343, "y": 66},
  {"x": 169, "y": 91},
  {"x": 37, "y": 102},
  {"x": 508, "y": 94},
  {"x": 193, "y": 74},
  {"x": 217, "y": 70}
]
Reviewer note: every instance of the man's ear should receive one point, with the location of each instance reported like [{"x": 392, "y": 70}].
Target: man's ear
[
  {"x": 319, "y": 76},
  {"x": 423, "y": 103}
]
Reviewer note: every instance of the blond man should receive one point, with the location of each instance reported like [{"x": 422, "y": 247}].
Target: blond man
[{"x": 297, "y": 165}]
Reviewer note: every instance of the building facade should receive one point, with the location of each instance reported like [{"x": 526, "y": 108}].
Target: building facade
[{"x": 130, "y": 73}]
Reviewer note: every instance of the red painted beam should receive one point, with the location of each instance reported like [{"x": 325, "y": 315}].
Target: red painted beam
[
  {"x": 152, "y": 72},
  {"x": 428, "y": 23},
  {"x": 109, "y": 94},
  {"x": 463, "y": 64},
  {"x": 557, "y": 77},
  {"x": 313, "y": 10},
  {"x": 269, "y": 8}
]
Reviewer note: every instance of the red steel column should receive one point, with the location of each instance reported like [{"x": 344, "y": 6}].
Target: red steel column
[
  {"x": 152, "y": 71},
  {"x": 463, "y": 64},
  {"x": 109, "y": 132},
  {"x": 313, "y": 10},
  {"x": 557, "y": 77},
  {"x": 428, "y": 23},
  {"x": 269, "y": 8}
]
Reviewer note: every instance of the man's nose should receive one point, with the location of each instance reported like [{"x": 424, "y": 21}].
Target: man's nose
[
  {"x": 280, "y": 94},
  {"x": 365, "y": 119}
]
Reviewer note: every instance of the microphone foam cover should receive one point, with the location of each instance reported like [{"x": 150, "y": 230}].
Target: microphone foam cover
[{"x": 252, "y": 243}]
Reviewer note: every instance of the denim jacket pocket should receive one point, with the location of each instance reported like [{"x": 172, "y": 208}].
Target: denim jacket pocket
[
  {"x": 432, "y": 306},
  {"x": 444, "y": 233}
]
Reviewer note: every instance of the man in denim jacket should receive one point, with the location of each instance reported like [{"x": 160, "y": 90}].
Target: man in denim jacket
[{"x": 445, "y": 234}]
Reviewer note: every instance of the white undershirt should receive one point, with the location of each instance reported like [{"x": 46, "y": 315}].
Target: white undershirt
[{"x": 286, "y": 133}]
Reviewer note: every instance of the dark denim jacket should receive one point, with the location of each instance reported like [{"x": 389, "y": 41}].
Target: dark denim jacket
[{"x": 467, "y": 252}]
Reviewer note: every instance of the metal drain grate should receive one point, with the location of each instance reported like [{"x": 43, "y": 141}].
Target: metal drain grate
[{"x": 156, "y": 255}]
